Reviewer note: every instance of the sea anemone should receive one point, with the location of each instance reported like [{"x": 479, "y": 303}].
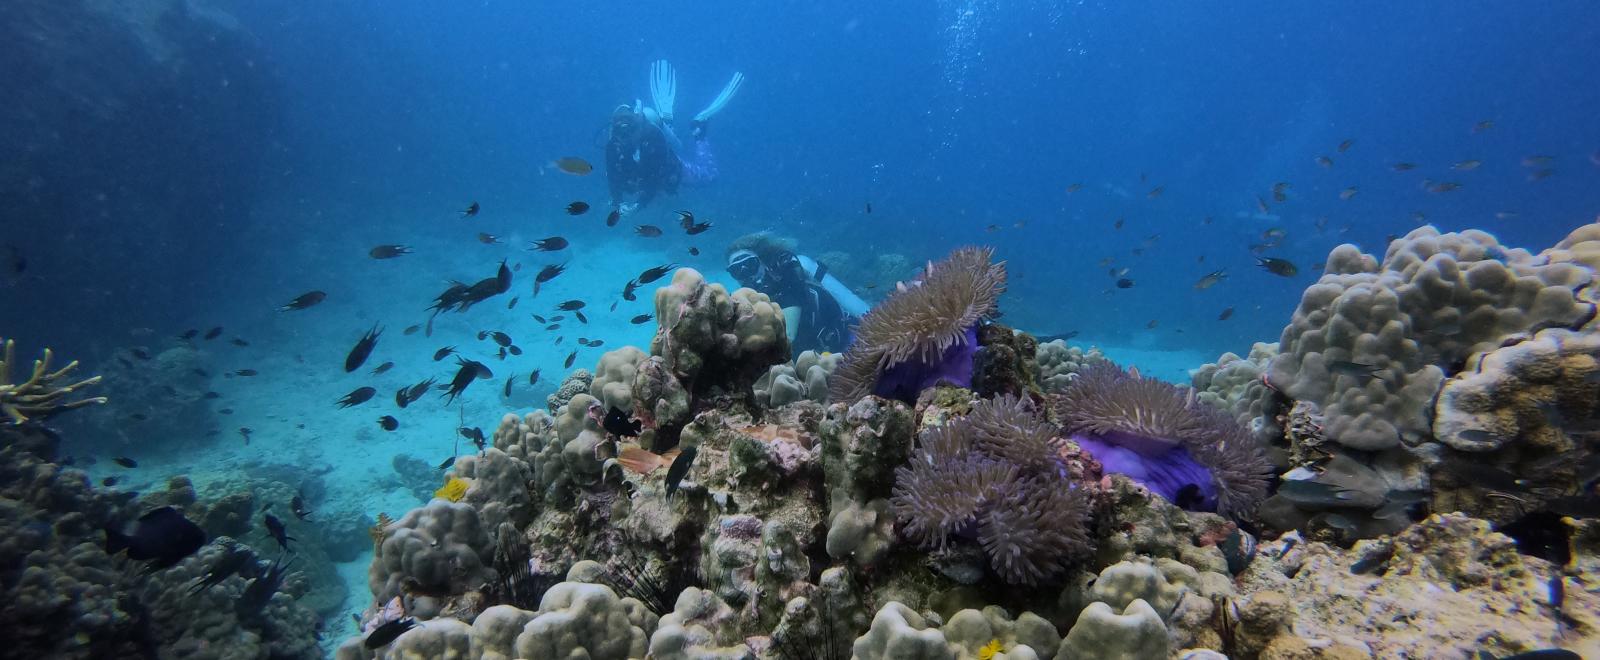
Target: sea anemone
[
  {"x": 925, "y": 332},
  {"x": 1177, "y": 446},
  {"x": 965, "y": 484}
]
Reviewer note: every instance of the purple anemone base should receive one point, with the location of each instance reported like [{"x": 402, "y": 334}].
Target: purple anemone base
[
  {"x": 1165, "y": 468},
  {"x": 908, "y": 379}
]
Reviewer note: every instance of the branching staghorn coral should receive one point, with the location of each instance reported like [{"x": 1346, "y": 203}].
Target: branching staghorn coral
[
  {"x": 924, "y": 332},
  {"x": 992, "y": 477},
  {"x": 40, "y": 396},
  {"x": 1166, "y": 438}
]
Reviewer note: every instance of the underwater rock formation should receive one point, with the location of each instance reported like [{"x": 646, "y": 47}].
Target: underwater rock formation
[
  {"x": 732, "y": 338},
  {"x": 806, "y": 379},
  {"x": 924, "y": 333},
  {"x": 1058, "y": 364}
]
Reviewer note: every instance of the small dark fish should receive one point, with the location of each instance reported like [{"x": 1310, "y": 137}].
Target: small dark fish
[
  {"x": 869, "y": 208},
  {"x": 557, "y": 318},
  {"x": 533, "y": 378},
  {"x": 1151, "y": 325},
  {"x": 507, "y": 391},
  {"x": 583, "y": 341},
  {"x": 1124, "y": 283},
  {"x": 685, "y": 219},
  {"x": 443, "y": 353},
  {"x": 1345, "y": 146},
  {"x": 357, "y": 397},
  {"x": 578, "y": 208},
  {"x": 213, "y": 333},
  {"x": 362, "y": 349},
  {"x": 388, "y": 632},
  {"x": 697, "y": 228},
  {"x": 388, "y": 422},
  {"x": 628, "y": 289},
  {"x": 552, "y": 327},
  {"x": 546, "y": 274},
  {"x": 140, "y": 353},
  {"x": 1118, "y": 224},
  {"x": 1211, "y": 279},
  {"x": 550, "y": 244},
  {"x": 239, "y": 342},
  {"x": 1347, "y": 193},
  {"x": 694, "y": 251},
  {"x": 1279, "y": 267},
  {"x": 1373, "y": 561},
  {"x": 388, "y": 251},
  {"x": 382, "y": 368},
  {"x": 571, "y": 357},
  {"x": 226, "y": 411},
  {"x": 571, "y": 165},
  {"x": 614, "y": 217},
  {"x": 447, "y": 463},
  {"x": 464, "y": 377},
  {"x": 488, "y": 239},
  {"x": 1226, "y": 314},
  {"x": 472, "y": 210},
  {"x": 244, "y": 432},
  {"x": 190, "y": 334},
  {"x": 581, "y": 318},
  {"x": 1155, "y": 192},
  {"x": 514, "y": 349},
  {"x": 1356, "y": 370},
  {"x": 406, "y": 395},
  {"x": 641, "y": 319},
  {"x": 472, "y": 433},
  {"x": 513, "y": 303},
  {"x": 298, "y": 507},
  {"x": 570, "y": 305},
  {"x": 501, "y": 338},
  {"x": 483, "y": 373},
  {"x": 620, "y": 424},
  {"x": 596, "y": 343},
  {"x": 540, "y": 319},
  {"x": 411, "y": 329},
  {"x": 1324, "y": 161},
  {"x": 1402, "y": 167},
  {"x": 654, "y": 274},
  {"x": 246, "y": 372},
  {"x": 108, "y": 482},
  {"x": 163, "y": 537},
  {"x": 276, "y": 530},
  {"x": 304, "y": 300},
  {"x": 680, "y": 469},
  {"x": 125, "y": 462},
  {"x": 647, "y": 231},
  {"x": 613, "y": 306}
]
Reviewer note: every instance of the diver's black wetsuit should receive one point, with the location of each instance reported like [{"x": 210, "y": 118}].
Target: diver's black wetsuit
[
  {"x": 647, "y": 167},
  {"x": 823, "y": 323}
]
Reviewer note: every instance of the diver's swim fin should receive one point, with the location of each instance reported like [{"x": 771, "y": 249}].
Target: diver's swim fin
[
  {"x": 722, "y": 99},
  {"x": 663, "y": 88}
]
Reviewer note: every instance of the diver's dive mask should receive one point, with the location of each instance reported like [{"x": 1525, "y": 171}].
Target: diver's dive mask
[{"x": 747, "y": 268}]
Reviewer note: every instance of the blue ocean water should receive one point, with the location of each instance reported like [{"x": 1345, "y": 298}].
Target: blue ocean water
[{"x": 207, "y": 166}]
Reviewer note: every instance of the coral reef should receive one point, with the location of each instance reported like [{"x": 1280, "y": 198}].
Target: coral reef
[
  {"x": 44, "y": 393},
  {"x": 431, "y": 556},
  {"x": 1057, "y": 364},
  {"x": 925, "y": 333},
  {"x": 806, "y": 379},
  {"x": 702, "y": 329},
  {"x": 1004, "y": 362},
  {"x": 1234, "y": 384},
  {"x": 1185, "y": 450}
]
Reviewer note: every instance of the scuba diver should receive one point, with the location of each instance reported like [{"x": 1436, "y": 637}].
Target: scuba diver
[
  {"x": 818, "y": 309},
  {"x": 644, "y": 155}
]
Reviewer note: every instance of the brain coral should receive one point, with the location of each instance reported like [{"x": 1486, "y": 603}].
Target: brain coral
[
  {"x": 923, "y": 333},
  {"x": 1434, "y": 300}
]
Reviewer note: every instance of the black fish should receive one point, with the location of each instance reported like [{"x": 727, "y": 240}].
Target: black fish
[
  {"x": 163, "y": 536},
  {"x": 694, "y": 251},
  {"x": 239, "y": 342},
  {"x": 513, "y": 303},
  {"x": 382, "y": 368},
  {"x": 618, "y": 423},
  {"x": 627, "y": 290},
  {"x": 362, "y": 349},
  {"x": 581, "y": 318},
  {"x": 298, "y": 506},
  {"x": 260, "y": 590},
  {"x": 571, "y": 357},
  {"x": 501, "y": 338},
  {"x": 304, "y": 300},
  {"x": 546, "y": 274},
  {"x": 464, "y": 377},
  {"x": 507, "y": 391},
  {"x": 596, "y": 343},
  {"x": 514, "y": 350},
  {"x": 407, "y": 395},
  {"x": 1124, "y": 283},
  {"x": 641, "y": 319},
  {"x": 550, "y": 244},
  {"x": 411, "y": 330},
  {"x": 484, "y": 373},
  {"x": 388, "y": 632},
  {"x": 1356, "y": 370},
  {"x": 685, "y": 219},
  {"x": 557, "y": 318},
  {"x": 388, "y": 251},
  {"x": 213, "y": 333},
  {"x": 244, "y": 432},
  {"x": 654, "y": 274},
  {"x": 388, "y": 422},
  {"x": 679, "y": 469},
  {"x": 533, "y": 378},
  {"x": 472, "y": 210},
  {"x": 570, "y": 305},
  {"x": 234, "y": 558},
  {"x": 357, "y": 397},
  {"x": 276, "y": 530},
  {"x": 578, "y": 208},
  {"x": 447, "y": 463},
  {"x": 502, "y": 277},
  {"x": 108, "y": 482},
  {"x": 125, "y": 462},
  {"x": 472, "y": 433},
  {"x": 697, "y": 228},
  {"x": 189, "y": 334},
  {"x": 647, "y": 231},
  {"x": 1225, "y": 315},
  {"x": 540, "y": 319},
  {"x": 246, "y": 372},
  {"x": 443, "y": 353},
  {"x": 614, "y": 217},
  {"x": 1279, "y": 267}
]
